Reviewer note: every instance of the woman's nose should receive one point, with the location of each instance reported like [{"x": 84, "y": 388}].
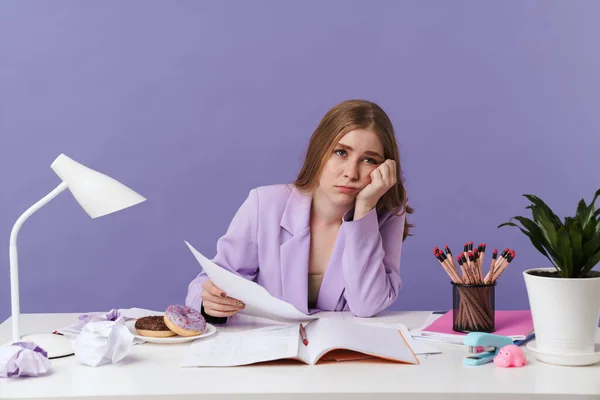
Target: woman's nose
[{"x": 351, "y": 171}]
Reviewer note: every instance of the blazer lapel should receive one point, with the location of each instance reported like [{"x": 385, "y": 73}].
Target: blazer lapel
[{"x": 295, "y": 250}]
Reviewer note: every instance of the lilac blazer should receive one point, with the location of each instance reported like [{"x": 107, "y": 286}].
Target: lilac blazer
[{"x": 268, "y": 241}]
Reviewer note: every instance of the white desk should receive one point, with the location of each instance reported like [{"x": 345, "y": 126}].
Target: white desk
[{"x": 152, "y": 371}]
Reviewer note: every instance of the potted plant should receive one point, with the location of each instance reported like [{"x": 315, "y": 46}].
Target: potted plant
[{"x": 564, "y": 299}]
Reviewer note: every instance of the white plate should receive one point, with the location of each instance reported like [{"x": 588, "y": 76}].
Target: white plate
[
  {"x": 566, "y": 359},
  {"x": 210, "y": 329}
]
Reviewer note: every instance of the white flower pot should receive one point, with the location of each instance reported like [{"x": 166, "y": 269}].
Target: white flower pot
[{"x": 565, "y": 314}]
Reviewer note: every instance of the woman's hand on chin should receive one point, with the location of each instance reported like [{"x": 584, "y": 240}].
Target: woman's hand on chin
[{"x": 382, "y": 179}]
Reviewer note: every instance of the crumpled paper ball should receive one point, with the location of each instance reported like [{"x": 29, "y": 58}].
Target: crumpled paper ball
[
  {"x": 103, "y": 342},
  {"x": 85, "y": 319},
  {"x": 23, "y": 359}
]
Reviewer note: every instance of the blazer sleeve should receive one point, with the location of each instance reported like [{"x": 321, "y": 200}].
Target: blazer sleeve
[
  {"x": 237, "y": 252},
  {"x": 371, "y": 262}
]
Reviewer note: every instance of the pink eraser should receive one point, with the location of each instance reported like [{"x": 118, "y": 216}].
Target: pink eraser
[{"x": 510, "y": 356}]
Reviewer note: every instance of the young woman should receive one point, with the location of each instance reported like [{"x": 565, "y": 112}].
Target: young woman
[{"x": 333, "y": 239}]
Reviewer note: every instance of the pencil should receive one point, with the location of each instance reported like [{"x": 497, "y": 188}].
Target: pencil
[
  {"x": 303, "y": 335},
  {"x": 488, "y": 277},
  {"x": 500, "y": 263},
  {"x": 445, "y": 260},
  {"x": 483, "y": 246},
  {"x": 504, "y": 265},
  {"x": 448, "y": 254},
  {"x": 451, "y": 259},
  {"x": 465, "y": 251},
  {"x": 500, "y": 259},
  {"x": 476, "y": 257},
  {"x": 480, "y": 255},
  {"x": 465, "y": 271},
  {"x": 471, "y": 267},
  {"x": 446, "y": 266},
  {"x": 447, "y": 249},
  {"x": 452, "y": 269}
]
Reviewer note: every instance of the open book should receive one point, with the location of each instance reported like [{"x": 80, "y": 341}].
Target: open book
[{"x": 327, "y": 338}]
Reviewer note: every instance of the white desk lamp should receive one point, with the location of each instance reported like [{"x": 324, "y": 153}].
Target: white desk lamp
[{"x": 99, "y": 195}]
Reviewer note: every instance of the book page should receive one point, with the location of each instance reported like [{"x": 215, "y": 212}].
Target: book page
[
  {"x": 418, "y": 346},
  {"x": 225, "y": 349},
  {"x": 328, "y": 334},
  {"x": 259, "y": 302}
]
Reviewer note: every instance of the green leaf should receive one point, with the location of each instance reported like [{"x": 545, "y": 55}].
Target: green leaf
[
  {"x": 531, "y": 237},
  {"x": 584, "y": 213},
  {"x": 536, "y": 237},
  {"x": 565, "y": 252},
  {"x": 545, "y": 224},
  {"x": 575, "y": 235},
  {"x": 589, "y": 232},
  {"x": 596, "y": 195},
  {"x": 507, "y": 224},
  {"x": 540, "y": 203},
  {"x": 591, "y": 263},
  {"x": 591, "y": 247}
]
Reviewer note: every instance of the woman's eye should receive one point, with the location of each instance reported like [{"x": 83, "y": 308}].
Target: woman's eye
[
  {"x": 370, "y": 160},
  {"x": 340, "y": 152}
]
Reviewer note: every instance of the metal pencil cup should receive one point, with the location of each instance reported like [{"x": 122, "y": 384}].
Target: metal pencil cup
[{"x": 474, "y": 307}]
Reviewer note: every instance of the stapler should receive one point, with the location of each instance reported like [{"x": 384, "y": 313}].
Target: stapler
[{"x": 491, "y": 343}]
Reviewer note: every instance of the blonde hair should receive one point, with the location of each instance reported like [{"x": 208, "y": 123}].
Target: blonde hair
[{"x": 341, "y": 119}]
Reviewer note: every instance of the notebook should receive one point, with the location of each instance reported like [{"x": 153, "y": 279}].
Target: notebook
[
  {"x": 328, "y": 340},
  {"x": 517, "y": 325}
]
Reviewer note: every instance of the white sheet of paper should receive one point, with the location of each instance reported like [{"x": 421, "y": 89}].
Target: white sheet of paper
[
  {"x": 258, "y": 300},
  {"x": 242, "y": 348}
]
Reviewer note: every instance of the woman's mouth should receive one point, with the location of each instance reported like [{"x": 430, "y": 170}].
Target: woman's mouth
[{"x": 346, "y": 189}]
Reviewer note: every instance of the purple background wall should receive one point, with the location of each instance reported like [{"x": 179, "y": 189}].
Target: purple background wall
[{"x": 193, "y": 103}]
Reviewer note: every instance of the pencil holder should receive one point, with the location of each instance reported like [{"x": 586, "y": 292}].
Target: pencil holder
[{"x": 473, "y": 309}]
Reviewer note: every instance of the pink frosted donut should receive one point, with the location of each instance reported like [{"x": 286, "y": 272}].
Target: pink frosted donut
[{"x": 184, "y": 321}]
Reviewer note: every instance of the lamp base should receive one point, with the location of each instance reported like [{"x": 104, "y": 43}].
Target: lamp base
[{"x": 55, "y": 345}]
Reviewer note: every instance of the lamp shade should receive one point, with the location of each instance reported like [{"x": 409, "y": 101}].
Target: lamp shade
[{"x": 97, "y": 193}]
